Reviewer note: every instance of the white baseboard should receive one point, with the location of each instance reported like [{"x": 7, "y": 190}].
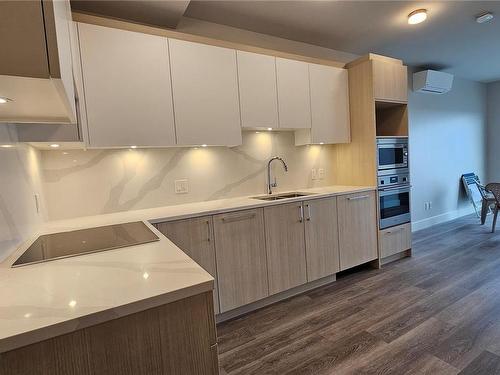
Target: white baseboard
[{"x": 447, "y": 216}]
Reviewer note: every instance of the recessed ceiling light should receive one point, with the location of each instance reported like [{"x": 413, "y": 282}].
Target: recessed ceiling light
[
  {"x": 484, "y": 17},
  {"x": 72, "y": 303},
  {"x": 417, "y": 16},
  {"x": 133, "y": 146},
  {"x": 321, "y": 143},
  {"x": 4, "y": 100},
  {"x": 203, "y": 145},
  {"x": 269, "y": 129},
  {"x": 6, "y": 146},
  {"x": 54, "y": 145}
]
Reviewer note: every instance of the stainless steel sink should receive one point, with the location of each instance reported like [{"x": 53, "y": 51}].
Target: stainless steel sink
[{"x": 276, "y": 197}]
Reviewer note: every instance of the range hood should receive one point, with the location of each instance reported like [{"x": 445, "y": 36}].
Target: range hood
[{"x": 36, "y": 77}]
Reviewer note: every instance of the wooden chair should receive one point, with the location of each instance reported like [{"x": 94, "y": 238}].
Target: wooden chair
[{"x": 494, "y": 188}]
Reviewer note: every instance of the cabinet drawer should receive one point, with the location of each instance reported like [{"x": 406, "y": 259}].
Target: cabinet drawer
[{"x": 394, "y": 240}]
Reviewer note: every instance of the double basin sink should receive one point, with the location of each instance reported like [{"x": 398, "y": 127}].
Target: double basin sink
[{"x": 275, "y": 197}]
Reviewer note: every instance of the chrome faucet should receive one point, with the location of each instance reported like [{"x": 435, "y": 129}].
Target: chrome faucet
[{"x": 270, "y": 184}]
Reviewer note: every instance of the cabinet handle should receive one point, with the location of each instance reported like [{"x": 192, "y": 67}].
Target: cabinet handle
[
  {"x": 209, "y": 237},
  {"x": 308, "y": 217},
  {"x": 358, "y": 197},
  {"x": 301, "y": 213},
  {"x": 238, "y": 218},
  {"x": 394, "y": 230}
]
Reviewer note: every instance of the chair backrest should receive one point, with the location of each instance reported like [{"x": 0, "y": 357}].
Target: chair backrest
[{"x": 494, "y": 188}]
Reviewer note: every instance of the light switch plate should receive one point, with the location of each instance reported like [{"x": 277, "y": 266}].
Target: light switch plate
[
  {"x": 314, "y": 174},
  {"x": 321, "y": 174},
  {"x": 181, "y": 186}
]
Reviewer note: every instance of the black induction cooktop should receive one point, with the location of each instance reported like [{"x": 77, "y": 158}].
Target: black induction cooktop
[{"x": 68, "y": 244}]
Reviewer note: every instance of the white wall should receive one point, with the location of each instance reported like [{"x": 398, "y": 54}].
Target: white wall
[
  {"x": 494, "y": 132},
  {"x": 19, "y": 182},
  {"x": 79, "y": 183},
  {"x": 447, "y": 139}
]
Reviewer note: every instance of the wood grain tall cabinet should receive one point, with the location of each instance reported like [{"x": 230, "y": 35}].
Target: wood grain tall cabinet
[{"x": 378, "y": 107}]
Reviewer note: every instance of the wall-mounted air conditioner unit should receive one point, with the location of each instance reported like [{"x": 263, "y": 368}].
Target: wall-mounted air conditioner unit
[{"x": 432, "y": 82}]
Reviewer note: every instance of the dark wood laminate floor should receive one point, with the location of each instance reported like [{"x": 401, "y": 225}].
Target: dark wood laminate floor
[{"x": 435, "y": 313}]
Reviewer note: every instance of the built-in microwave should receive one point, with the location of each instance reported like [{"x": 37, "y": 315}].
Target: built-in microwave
[{"x": 392, "y": 152}]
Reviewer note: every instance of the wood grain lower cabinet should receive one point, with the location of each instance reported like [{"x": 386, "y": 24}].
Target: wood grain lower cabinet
[
  {"x": 195, "y": 237},
  {"x": 357, "y": 221},
  {"x": 241, "y": 258},
  {"x": 285, "y": 245},
  {"x": 174, "y": 339},
  {"x": 394, "y": 240},
  {"x": 322, "y": 239}
]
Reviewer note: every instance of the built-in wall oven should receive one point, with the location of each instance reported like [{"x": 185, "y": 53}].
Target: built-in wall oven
[
  {"x": 392, "y": 152},
  {"x": 394, "y": 206}
]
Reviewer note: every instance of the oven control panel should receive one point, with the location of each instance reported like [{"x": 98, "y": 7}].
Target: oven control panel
[{"x": 394, "y": 179}]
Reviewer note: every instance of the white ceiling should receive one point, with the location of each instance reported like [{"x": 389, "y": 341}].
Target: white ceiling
[{"x": 450, "y": 39}]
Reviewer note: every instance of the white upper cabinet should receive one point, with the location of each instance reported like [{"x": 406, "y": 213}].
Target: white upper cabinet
[
  {"x": 127, "y": 86},
  {"x": 294, "y": 101},
  {"x": 258, "y": 93},
  {"x": 329, "y": 107},
  {"x": 205, "y": 92}
]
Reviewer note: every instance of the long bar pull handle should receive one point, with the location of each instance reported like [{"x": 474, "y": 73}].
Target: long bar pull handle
[
  {"x": 358, "y": 197},
  {"x": 301, "y": 213},
  {"x": 308, "y": 217},
  {"x": 209, "y": 236},
  {"x": 395, "y": 230},
  {"x": 238, "y": 218}
]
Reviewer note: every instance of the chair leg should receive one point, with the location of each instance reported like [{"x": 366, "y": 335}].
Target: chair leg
[{"x": 494, "y": 220}]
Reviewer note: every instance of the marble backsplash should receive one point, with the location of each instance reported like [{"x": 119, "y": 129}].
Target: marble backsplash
[
  {"x": 20, "y": 182},
  {"x": 79, "y": 183}
]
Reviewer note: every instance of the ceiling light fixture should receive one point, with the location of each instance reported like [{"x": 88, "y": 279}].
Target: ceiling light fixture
[
  {"x": 269, "y": 129},
  {"x": 133, "y": 146},
  {"x": 203, "y": 145},
  {"x": 417, "y": 16},
  {"x": 6, "y": 146},
  {"x": 484, "y": 17},
  {"x": 4, "y": 100},
  {"x": 54, "y": 145}
]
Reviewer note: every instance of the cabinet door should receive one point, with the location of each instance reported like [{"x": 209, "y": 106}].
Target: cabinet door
[
  {"x": 357, "y": 221},
  {"x": 285, "y": 244},
  {"x": 195, "y": 238},
  {"x": 294, "y": 101},
  {"x": 241, "y": 258},
  {"x": 127, "y": 87},
  {"x": 329, "y": 105},
  {"x": 257, "y": 86},
  {"x": 322, "y": 238},
  {"x": 205, "y": 91},
  {"x": 390, "y": 81}
]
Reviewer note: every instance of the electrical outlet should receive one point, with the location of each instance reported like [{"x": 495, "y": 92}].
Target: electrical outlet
[
  {"x": 314, "y": 174},
  {"x": 181, "y": 186},
  {"x": 321, "y": 173}
]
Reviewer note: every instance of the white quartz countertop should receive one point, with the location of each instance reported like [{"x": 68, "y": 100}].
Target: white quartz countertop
[{"x": 45, "y": 300}]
